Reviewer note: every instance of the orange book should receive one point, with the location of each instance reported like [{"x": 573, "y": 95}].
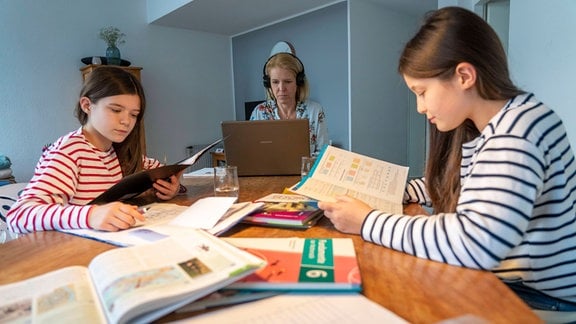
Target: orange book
[{"x": 301, "y": 264}]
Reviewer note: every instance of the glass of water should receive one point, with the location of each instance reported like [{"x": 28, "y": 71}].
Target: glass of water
[
  {"x": 226, "y": 181},
  {"x": 307, "y": 164}
]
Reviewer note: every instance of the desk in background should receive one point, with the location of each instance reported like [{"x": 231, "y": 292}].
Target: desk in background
[
  {"x": 418, "y": 290},
  {"x": 218, "y": 159}
]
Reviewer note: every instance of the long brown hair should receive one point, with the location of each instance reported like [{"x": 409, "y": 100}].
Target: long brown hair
[
  {"x": 448, "y": 37},
  {"x": 106, "y": 81},
  {"x": 443, "y": 166}
]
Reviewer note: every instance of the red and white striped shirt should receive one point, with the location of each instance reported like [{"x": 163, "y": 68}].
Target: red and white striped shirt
[{"x": 70, "y": 174}]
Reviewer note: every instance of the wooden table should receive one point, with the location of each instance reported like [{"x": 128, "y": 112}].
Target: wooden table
[{"x": 418, "y": 290}]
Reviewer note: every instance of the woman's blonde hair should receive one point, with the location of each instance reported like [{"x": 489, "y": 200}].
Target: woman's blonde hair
[{"x": 292, "y": 63}]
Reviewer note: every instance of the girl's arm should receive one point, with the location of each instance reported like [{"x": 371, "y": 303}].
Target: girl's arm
[{"x": 415, "y": 192}]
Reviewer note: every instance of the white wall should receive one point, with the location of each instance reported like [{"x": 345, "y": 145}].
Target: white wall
[
  {"x": 541, "y": 54},
  {"x": 158, "y": 8},
  {"x": 469, "y": 4},
  {"x": 381, "y": 115},
  {"x": 186, "y": 75}
]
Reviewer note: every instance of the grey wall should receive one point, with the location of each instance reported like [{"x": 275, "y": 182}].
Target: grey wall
[
  {"x": 186, "y": 75},
  {"x": 541, "y": 54},
  {"x": 384, "y": 122},
  {"x": 320, "y": 39},
  {"x": 351, "y": 52}
]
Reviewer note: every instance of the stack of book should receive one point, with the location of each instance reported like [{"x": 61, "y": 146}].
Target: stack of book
[
  {"x": 293, "y": 265},
  {"x": 285, "y": 210}
]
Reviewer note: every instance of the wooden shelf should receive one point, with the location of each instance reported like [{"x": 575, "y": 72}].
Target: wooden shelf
[
  {"x": 135, "y": 70},
  {"x": 218, "y": 159}
]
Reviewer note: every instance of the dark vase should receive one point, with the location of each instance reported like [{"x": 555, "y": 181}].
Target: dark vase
[{"x": 113, "y": 55}]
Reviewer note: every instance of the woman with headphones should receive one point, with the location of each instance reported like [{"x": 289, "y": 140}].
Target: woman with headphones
[{"x": 287, "y": 93}]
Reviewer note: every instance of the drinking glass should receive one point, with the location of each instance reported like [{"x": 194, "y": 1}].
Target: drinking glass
[
  {"x": 96, "y": 60},
  {"x": 226, "y": 181},
  {"x": 307, "y": 164}
]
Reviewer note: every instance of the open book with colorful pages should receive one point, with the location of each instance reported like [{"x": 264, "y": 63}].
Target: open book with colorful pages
[
  {"x": 285, "y": 210},
  {"x": 136, "y": 284},
  {"x": 135, "y": 184},
  {"x": 338, "y": 172},
  {"x": 301, "y": 264},
  {"x": 216, "y": 215}
]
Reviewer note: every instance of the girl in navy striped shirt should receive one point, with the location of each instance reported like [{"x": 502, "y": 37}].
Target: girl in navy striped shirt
[
  {"x": 81, "y": 165},
  {"x": 500, "y": 176}
]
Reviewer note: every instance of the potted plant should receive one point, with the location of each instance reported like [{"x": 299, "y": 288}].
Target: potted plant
[{"x": 113, "y": 37}]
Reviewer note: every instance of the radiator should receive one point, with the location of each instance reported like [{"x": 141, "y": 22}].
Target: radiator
[{"x": 205, "y": 161}]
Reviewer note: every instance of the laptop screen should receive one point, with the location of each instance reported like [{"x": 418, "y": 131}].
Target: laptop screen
[{"x": 266, "y": 147}]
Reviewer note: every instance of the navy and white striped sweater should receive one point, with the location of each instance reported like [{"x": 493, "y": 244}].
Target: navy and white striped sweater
[{"x": 516, "y": 214}]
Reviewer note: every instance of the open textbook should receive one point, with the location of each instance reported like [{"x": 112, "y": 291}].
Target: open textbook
[
  {"x": 216, "y": 215},
  {"x": 339, "y": 172},
  {"x": 135, "y": 184},
  {"x": 136, "y": 284}
]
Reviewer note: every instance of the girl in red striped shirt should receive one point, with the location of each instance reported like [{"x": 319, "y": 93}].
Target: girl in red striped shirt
[{"x": 82, "y": 164}]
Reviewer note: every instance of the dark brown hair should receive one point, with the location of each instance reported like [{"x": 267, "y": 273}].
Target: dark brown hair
[
  {"x": 448, "y": 37},
  {"x": 107, "y": 81}
]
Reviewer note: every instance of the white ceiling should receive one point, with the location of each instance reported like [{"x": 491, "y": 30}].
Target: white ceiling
[{"x": 234, "y": 17}]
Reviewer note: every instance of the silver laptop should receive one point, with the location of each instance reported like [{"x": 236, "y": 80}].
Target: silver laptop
[{"x": 266, "y": 147}]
